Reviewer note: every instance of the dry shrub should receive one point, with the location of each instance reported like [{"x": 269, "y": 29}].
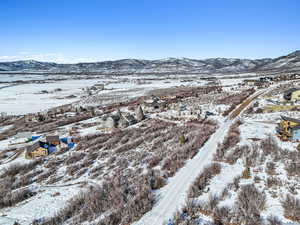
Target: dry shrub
[
  {"x": 9, "y": 198},
  {"x": 291, "y": 206},
  {"x": 196, "y": 135},
  {"x": 121, "y": 202},
  {"x": 74, "y": 168},
  {"x": 15, "y": 169},
  {"x": 222, "y": 215},
  {"x": 212, "y": 202},
  {"x": 273, "y": 182},
  {"x": 272, "y": 220},
  {"x": 154, "y": 179},
  {"x": 236, "y": 154},
  {"x": 251, "y": 156},
  {"x": 153, "y": 161},
  {"x": 129, "y": 146},
  {"x": 54, "y": 178},
  {"x": 25, "y": 180},
  {"x": 269, "y": 146},
  {"x": 250, "y": 202},
  {"x": 74, "y": 158},
  {"x": 44, "y": 176},
  {"x": 54, "y": 163},
  {"x": 202, "y": 181},
  {"x": 188, "y": 214},
  {"x": 74, "y": 119},
  {"x": 235, "y": 184},
  {"x": 257, "y": 179},
  {"x": 292, "y": 168},
  {"x": 231, "y": 139}
]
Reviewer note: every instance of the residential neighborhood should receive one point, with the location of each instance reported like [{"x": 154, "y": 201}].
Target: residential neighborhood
[{"x": 150, "y": 112}]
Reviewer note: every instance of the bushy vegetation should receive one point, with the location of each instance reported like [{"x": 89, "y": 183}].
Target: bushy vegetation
[
  {"x": 291, "y": 206},
  {"x": 13, "y": 180},
  {"x": 230, "y": 141},
  {"x": 121, "y": 200},
  {"x": 248, "y": 206},
  {"x": 203, "y": 179}
]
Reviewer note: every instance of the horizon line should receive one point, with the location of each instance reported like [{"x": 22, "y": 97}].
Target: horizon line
[{"x": 142, "y": 59}]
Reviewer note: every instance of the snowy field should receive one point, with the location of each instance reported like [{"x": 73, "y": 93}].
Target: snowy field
[
  {"x": 35, "y": 97},
  {"x": 28, "y": 98}
]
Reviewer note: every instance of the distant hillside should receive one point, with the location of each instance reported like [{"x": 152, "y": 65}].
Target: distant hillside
[{"x": 289, "y": 62}]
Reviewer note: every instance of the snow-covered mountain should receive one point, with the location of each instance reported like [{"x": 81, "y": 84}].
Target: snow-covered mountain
[{"x": 170, "y": 65}]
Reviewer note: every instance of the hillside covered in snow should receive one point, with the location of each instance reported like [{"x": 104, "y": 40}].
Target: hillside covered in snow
[{"x": 289, "y": 62}]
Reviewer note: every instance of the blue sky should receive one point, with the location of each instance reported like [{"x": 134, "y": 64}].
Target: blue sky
[{"x": 96, "y": 30}]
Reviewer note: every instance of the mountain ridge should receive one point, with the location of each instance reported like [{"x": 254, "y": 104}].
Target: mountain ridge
[{"x": 290, "y": 62}]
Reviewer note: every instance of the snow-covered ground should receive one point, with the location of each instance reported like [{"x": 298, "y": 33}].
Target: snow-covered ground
[
  {"x": 171, "y": 197},
  {"x": 45, "y": 203},
  {"x": 28, "y": 98},
  {"x": 35, "y": 97}
]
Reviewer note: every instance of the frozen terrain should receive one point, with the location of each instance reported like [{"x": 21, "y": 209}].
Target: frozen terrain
[
  {"x": 34, "y": 96},
  {"x": 145, "y": 169}
]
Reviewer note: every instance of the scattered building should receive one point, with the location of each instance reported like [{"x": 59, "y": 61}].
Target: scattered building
[
  {"x": 123, "y": 122},
  {"x": 130, "y": 119},
  {"x": 260, "y": 83},
  {"x": 292, "y": 94},
  {"x": 139, "y": 114},
  {"x": 121, "y": 119},
  {"x": 155, "y": 103},
  {"x": 46, "y": 146},
  {"x": 250, "y": 82},
  {"x": 53, "y": 140},
  {"x": 266, "y": 79},
  {"x": 111, "y": 121},
  {"x": 289, "y": 129},
  {"x": 37, "y": 149}
]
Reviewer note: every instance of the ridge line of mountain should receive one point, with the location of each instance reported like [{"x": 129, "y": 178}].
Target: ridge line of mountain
[{"x": 290, "y": 62}]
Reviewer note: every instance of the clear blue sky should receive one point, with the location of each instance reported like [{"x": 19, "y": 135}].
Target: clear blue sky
[{"x": 91, "y": 30}]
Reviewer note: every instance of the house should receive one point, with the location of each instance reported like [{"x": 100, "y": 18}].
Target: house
[
  {"x": 250, "y": 82},
  {"x": 266, "y": 79},
  {"x": 99, "y": 86},
  {"x": 53, "y": 140},
  {"x": 289, "y": 129},
  {"x": 292, "y": 94},
  {"x": 37, "y": 149},
  {"x": 139, "y": 114},
  {"x": 29, "y": 117},
  {"x": 130, "y": 119},
  {"x": 111, "y": 121},
  {"x": 123, "y": 122}
]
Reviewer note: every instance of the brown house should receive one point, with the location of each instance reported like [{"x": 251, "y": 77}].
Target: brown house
[
  {"x": 36, "y": 150},
  {"x": 53, "y": 140}
]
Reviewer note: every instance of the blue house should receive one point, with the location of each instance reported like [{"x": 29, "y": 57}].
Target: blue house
[
  {"x": 52, "y": 149},
  {"x": 71, "y": 145}
]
